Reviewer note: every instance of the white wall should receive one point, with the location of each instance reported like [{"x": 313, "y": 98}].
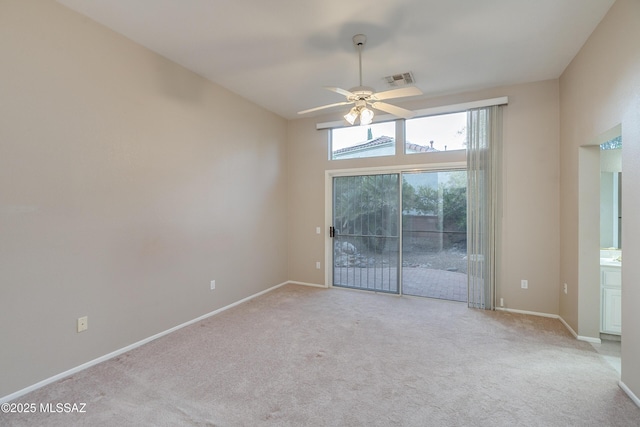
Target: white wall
[{"x": 126, "y": 184}]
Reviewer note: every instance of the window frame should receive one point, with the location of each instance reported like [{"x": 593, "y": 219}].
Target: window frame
[{"x": 400, "y": 132}]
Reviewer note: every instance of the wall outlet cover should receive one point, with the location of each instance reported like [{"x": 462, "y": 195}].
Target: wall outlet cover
[{"x": 83, "y": 323}]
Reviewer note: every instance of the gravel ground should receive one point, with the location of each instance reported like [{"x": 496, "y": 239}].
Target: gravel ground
[
  {"x": 452, "y": 260},
  {"x": 348, "y": 254}
]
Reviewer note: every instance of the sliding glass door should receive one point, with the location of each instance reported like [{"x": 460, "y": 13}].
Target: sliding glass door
[
  {"x": 401, "y": 233},
  {"x": 434, "y": 234}
]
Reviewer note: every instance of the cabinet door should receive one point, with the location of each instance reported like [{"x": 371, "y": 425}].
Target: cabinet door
[
  {"x": 611, "y": 277},
  {"x": 612, "y": 311}
]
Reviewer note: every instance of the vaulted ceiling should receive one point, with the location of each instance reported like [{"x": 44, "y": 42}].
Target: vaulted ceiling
[{"x": 280, "y": 53}]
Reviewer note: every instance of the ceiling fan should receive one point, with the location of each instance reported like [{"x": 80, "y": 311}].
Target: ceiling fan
[{"x": 364, "y": 97}]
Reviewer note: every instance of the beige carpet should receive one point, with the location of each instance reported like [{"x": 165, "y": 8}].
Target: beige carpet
[{"x": 302, "y": 356}]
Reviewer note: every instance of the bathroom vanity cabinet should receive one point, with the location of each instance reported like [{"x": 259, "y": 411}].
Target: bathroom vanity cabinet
[{"x": 611, "y": 309}]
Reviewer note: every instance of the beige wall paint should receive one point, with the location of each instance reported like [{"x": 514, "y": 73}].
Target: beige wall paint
[
  {"x": 531, "y": 192},
  {"x": 126, "y": 184},
  {"x": 600, "y": 90}
]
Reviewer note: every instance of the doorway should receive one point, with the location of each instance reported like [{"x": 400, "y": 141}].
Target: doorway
[
  {"x": 611, "y": 239},
  {"x": 595, "y": 260}
]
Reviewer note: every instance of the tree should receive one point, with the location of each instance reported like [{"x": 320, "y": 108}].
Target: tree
[
  {"x": 367, "y": 206},
  {"x": 454, "y": 201},
  {"x": 445, "y": 200}
]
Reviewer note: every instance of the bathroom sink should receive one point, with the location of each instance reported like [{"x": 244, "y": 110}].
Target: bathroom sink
[{"x": 610, "y": 262}]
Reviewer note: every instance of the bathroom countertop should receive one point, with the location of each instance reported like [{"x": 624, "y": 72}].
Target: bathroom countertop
[{"x": 609, "y": 262}]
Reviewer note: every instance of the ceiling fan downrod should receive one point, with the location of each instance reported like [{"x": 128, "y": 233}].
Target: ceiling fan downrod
[{"x": 359, "y": 40}]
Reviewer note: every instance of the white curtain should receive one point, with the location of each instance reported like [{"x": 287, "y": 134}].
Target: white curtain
[{"x": 484, "y": 127}]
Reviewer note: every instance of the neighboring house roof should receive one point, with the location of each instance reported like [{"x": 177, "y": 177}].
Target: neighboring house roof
[
  {"x": 376, "y": 142},
  {"x": 420, "y": 148}
]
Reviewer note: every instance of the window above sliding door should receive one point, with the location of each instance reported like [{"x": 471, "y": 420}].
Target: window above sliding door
[
  {"x": 373, "y": 140},
  {"x": 442, "y": 132}
]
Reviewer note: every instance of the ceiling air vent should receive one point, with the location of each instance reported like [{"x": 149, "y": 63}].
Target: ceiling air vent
[{"x": 400, "y": 79}]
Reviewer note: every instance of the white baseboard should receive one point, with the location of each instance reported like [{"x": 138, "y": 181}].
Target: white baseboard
[
  {"x": 314, "y": 285},
  {"x": 631, "y": 395},
  {"x": 580, "y": 337},
  {"x": 589, "y": 339},
  {"x": 566, "y": 325},
  {"x": 113, "y": 354},
  {"x": 532, "y": 313},
  {"x": 553, "y": 316}
]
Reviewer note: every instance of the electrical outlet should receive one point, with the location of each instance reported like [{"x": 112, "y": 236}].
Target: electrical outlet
[
  {"x": 524, "y": 284},
  {"x": 501, "y": 302},
  {"x": 213, "y": 284},
  {"x": 566, "y": 289},
  {"x": 83, "y": 323},
  {"x": 318, "y": 265},
  {"x": 317, "y": 230}
]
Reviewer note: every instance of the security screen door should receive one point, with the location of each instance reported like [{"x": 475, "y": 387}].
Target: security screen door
[{"x": 366, "y": 243}]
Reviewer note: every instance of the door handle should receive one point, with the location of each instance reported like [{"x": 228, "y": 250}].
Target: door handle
[{"x": 332, "y": 232}]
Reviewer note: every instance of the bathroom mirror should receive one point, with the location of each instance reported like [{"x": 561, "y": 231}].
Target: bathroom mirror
[{"x": 611, "y": 193}]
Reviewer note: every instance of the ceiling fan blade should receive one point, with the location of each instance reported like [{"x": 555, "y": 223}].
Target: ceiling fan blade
[
  {"x": 325, "y": 106},
  {"x": 392, "y": 109},
  {"x": 398, "y": 93},
  {"x": 339, "y": 90}
]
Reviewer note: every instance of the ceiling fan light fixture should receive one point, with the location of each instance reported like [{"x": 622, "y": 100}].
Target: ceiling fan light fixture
[
  {"x": 351, "y": 116},
  {"x": 366, "y": 116}
]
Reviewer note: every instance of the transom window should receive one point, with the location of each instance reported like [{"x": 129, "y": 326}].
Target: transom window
[
  {"x": 444, "y": 132},
  {"x": 378, "y": 139}
]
